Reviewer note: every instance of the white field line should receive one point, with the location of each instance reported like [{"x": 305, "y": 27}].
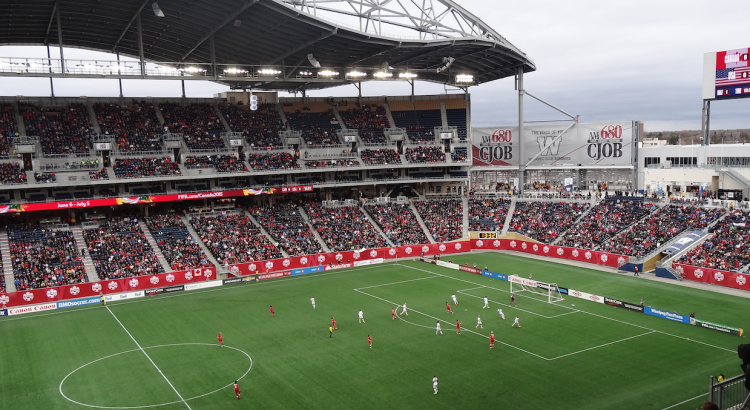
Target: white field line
[
  {"x": 592, "y": 314},
  {"x": 596, "y": 347},
  {"x": 396, "y": 283},
  {"x": 149, "y": 359},
  {"x": 704, "y": 395},
  {"x": 511, "y": 307}
]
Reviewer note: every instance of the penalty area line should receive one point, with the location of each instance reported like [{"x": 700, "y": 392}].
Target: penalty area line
[{"x": 704, "y": 395}]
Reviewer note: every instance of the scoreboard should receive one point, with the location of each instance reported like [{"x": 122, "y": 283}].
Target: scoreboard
[
  {"x": 487, "y": 235},
  {"x": 726, "y": 74}
]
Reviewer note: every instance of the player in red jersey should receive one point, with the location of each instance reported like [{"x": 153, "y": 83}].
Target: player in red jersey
[
  {"x": 458, "y": 327},
  {"x": 221, "y": 340},
  {"x": 369, "y": 340},
  {"x": 492, "y": 340},
  {"x": 237, "y": 390},
  {"x": 393, "y": 313},
  {"x": 512, "y": 300},
  {"x": 333, "y": 324},
  {"x": 272, "y": 312},
  {"x": 448, "y": 305}
]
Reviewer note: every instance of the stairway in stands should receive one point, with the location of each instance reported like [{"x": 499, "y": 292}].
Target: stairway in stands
[
  {"x": 220, "y": 268},
  {"x": 265, "y": 232},
  {"x": 306, "y": 218},
  {"x": 376, "y": 226},
  {"x": 155, "y": 247},
  {"x": 7, "y": 261},
  {"x": 88, "y": 263},
  {"x": 421, "y": 222},
  {"x": 509, "y": 216}
]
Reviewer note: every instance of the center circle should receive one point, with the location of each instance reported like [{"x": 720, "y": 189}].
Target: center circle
[{"x": 250, "y": 361}]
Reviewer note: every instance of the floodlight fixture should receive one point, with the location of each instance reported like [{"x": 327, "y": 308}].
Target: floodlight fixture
[
  {"x": 383, "y": 74},
  {"x": 234, "y": 70},
  {"x": 328, "y": 73},
  {"x": 268, "y": 71},
  {"x": 356, "y": 74},
  {"x": 305, "y": 73},
  {"x": 157, "y": 9},
  {"x": 407, "y": 76},
  {"x": 464, "y": 78}
]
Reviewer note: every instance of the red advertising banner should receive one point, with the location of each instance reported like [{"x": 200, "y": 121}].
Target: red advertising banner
[
  {"x": 559, "y": 252},
  {"x": 713, "y": 276},
  {"x": 90, "y": 289},
  {"x": 147, "y": 199}
]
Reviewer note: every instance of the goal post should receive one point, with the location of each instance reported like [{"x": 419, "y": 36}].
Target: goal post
[{"x": 542, "y": 290}]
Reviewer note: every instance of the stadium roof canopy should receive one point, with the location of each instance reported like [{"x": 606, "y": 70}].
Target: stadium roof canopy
[{"x": 299, "y": 43}]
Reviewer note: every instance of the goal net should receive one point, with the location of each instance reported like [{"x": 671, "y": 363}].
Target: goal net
[{"x": 534, "y": 288}]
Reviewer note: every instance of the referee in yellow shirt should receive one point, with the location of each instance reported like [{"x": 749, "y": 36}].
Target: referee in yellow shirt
[{"x": 330, "y": 330}]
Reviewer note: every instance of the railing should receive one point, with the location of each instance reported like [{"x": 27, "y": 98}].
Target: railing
[
  {"x": 272, "y": 148},
  {"x": 379, "y": 144},
  {"x": 68, "y": 167},
  {"x": 171, "y": 136},
  {"x": 90, "y": 224},
  {"x": 70, "y": 155},
  {"x": 120, "y": 153},
  {"x": 730, "y": 394},
  {"x": 214, "y": 213}
]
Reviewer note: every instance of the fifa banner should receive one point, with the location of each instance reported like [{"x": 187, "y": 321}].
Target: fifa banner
[
  {"x": 713, "y": 276},
  {"x": 589, "y": 144},
  {"x": 737, "y": 331}
]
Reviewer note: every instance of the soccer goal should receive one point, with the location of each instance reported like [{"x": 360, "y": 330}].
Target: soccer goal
[{"x": 535, "y": 289}]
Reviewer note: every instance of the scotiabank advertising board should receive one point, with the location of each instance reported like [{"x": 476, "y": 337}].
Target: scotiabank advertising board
[
  {"x": 713, "y": 276},
  {"x": 340, "y": 260},
  {"x": 92, "y": 289},
  {"x": 560, "y": 252}
]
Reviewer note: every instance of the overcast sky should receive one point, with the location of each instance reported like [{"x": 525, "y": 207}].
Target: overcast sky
[{"x": 631, "y": 60}]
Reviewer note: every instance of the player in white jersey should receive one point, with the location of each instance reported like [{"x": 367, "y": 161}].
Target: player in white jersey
[
  {"x": 486, "y": 303},
  {"x": 361, "y": 316},
  {"x": 500, "y": 312},
  {"x": 438, "y": 328},
  {"x": 479, "y": 323},
  {"x": 515, "y": 322},
  {"x": 434, "y": 384},
  {"x": 455, "y": 301},
  {"x": 403, "y": 310},
  {"x": 312, "y": 300}
]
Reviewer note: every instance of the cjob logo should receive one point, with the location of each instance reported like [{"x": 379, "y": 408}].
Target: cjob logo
[
  {"x": 560, "y": 251},
  {"x": 719, "y": 276},
  {"x": 355, "y": 255},
  {"x": 391, "y": 251},
  {"x": 698, "y": 273},
  {"x": 546, "y": 249},
  {"x": 155, "y": 279},
  {"x": 188, "y": 275},
  {"x": 286, "y": 263},
  {"x": 408, "y": 250},
  {"x": 321, "y": 258},
  {"x": 480, "y": 243},
  {"x": 339, "y": 257},
  {"x": 442, "y": 247},
  {"x": 575, "y": 253},
  {"x": 170, "y": 278},
  {"x": 133, "y": 282},
  {"x": 535, "y": 247},
  {"x": 269, "y": 265},
  {"x": 96, "y": 287},
  {"x": 112, "y": 285},
  {"x": 587, "y": 255},
  {"x": 741, "y": 280},
  {"x": 373, "y": 253},
  {"x": 496, "y": 243},
  {"x": 604, "y": 258},
  {"x": 75, "y": 290},
  {"x": 51, "y": 293},
  {"x": 252, "y": 267},
  {"x": 28, "y": 296},
  {"x": 457, "y": 246},
  {"x": 303, "y": 260},
  {"x": 512, "y": 244}
]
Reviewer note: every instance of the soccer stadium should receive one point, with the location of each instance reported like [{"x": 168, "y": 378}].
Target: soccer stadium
[{"x": 266, "y": 248}]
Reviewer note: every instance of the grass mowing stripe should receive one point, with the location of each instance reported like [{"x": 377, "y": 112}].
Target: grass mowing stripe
[{"x": 149, "y": 358}]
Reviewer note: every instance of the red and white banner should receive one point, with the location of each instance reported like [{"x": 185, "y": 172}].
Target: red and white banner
[
  {"x": 522, "y": 281},
  {"x": 274, "y": 275},
  {"x": 559, "y": 252},
  {"x": 470, "y": 269},
  {"x": 84, "y": 290},
  {"x": 713, "y": 276},
  {"x": 588, "y": 296}
]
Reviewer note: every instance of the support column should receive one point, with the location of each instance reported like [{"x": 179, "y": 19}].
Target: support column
[
  {"x": 60, "y": 41},
  {"x": 521, "y": 161},
  {"x": 119, "y": 73},
  {"x": 213, "y": 56},
  {"x": 706, "y": 123},
  {"x": 183, "y": 88},
  {"x": 51, "y": 85},
  {"x": 140, "y": 44}
]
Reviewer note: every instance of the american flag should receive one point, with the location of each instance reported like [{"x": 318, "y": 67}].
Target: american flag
[{"x": 741, "y": 76}]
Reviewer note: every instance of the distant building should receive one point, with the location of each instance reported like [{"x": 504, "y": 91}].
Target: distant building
[{"x": 653, "y": 142}]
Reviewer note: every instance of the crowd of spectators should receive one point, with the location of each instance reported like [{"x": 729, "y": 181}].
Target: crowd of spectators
[
  {"x": 398, "y": 223},
  {"x": 545, "y": 221},
  {"x": 222, "y": 162},
  {"x": 11, "y": 173},
  {"x": 60, "y": 130},
  {"x": 233, "y": 238},
  {"x": 332, "y": 163},
  {"x": 285, "y": 225},
  {"x": 344, "y": 228},
  {"x": 421, "y": 134},
  {"x": 370, "y": 120},
  {"x": 727, "y": 248},
  {"x": 135, "y": 127},
  {"x": 459, "y": 154},
  {"x": 380, "y": 156},
  {"x": 443, "y": 217},
  {"x": 659, "y": 227},
  {"x": 260, "y": 128},
  {"x": 487, "y": 214},
  {"x": 45, "y": 177},
  {"x": 422, "y": 154},
  {"x": 145, "y": 167},
  {"x": 119, "y": 249},
  {"x": 272, "y": 161},
  {"x": 199, "y": 124},
  {"x": 317, "y": 137},
  {"x": 176, "y": 244},
  {"x": 603, "y": 221},
  {"x": 97, "y": 175},
  {"x": 8, "y": 127},
  {"x": 43, "y": 258}
]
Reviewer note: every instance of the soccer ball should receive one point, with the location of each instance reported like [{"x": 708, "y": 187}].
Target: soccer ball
[{"x": 465, "y": 310}]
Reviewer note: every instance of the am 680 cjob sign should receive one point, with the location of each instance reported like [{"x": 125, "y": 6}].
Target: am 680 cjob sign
[{"x": 589, "y": 144}]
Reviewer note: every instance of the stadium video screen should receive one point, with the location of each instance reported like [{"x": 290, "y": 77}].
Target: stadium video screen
[{"x": 732, "y": 74}]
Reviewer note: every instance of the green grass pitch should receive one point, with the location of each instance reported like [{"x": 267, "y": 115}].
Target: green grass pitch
[{"x": 589, "y": 356}]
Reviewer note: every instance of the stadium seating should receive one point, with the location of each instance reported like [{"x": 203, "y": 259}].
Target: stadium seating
[
  {"x": 11, "y": 173},
  {"x": 421, "y": 155},
  {"x": 369, "y": 120},
  {"x": 344, "y": 228},
  {"x": 487, "y": 214},
  {"x": 61, "y": 130},
  {"x": 380, "y": 157},
  {"x": 135, "y": 127},
  {"x": 728, "y": 247},
  {"x": 176, "y": 243},
  {"x": 222, "y": 163},
  {"x": 332, "y": 163},
  {"x": 545, "y": 221},
  {"x": 233, "y": 238},
  {"x": 460, "y": 154},
  {"x": 272, "y": 161},
  {"x": 97, "y": 175},
  {"x": 659, "y": 227},
  {"x": 145, "y": 167},
  {"x": 285, "y": 225},
  {"x": 119, "y": 249},
  {"x": 259, "y": 128},
  {"x": 8, "y": 127},
  {"x": 318, "y": 127},
  {"x": 419, "y": 118},
  {"x": 199, "y": 124},
  {"x": 603, "y": 221},
  {"x": 455, "y": 113},
  {"x": 43, "y": 258},
  {"x": 443, "y": 217},
  {"x": 45, "y": 177},
  {"x": 398, "y": 223}
]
